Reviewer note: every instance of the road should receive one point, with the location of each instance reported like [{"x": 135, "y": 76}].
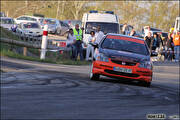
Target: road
[{"x": 33, "y": 90}]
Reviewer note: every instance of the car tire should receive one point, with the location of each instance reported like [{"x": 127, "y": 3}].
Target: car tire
[{"x": 93, "y": 76}]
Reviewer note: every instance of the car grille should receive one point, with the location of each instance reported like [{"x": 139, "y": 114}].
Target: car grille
[
  {"x": 121, "y": 73},
  {"x": 124, "y": 63}
]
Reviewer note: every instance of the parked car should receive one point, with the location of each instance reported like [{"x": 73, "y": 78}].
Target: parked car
[
  {"x": 29, "y": 29},
  {"x": 55, "y": 26},
  {"x": 2, "y": 14},
  {"x": 72, "y": 23},
  {"x": 7, "y": 22},
  {"x": 26, "y": 18},
  {"x": 122, "y": 56}
]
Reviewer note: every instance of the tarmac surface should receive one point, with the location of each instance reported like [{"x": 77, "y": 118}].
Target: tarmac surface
[{"x": 33, "y": 90}]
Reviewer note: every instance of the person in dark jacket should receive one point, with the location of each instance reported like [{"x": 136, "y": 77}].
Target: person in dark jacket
[
  {"x": 148, "y": 40},
  {"x": 155, "y": 43},
  {"x": 169, "y": 47}
]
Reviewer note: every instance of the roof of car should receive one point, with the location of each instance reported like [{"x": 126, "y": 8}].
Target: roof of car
[
  {"x": 6, "y": 18},
  {"x": 50, "y": 18},
  {"x": 125, "y": 36},
  {"x": 29, "y": 16}
]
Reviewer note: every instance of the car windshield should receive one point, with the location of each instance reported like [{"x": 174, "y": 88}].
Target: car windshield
[
  {"x": 125, "y": 45},
  {"x": 105, "y": 27},
  {"x": 50, "y": 21},
  {"x": 6, "y": 21},
  {"x": 31, "y": 25}
]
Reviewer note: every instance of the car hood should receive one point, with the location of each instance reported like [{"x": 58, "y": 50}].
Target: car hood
[
  {"x": 34, "y": 30},
  {"x": 126, "y": 56}
]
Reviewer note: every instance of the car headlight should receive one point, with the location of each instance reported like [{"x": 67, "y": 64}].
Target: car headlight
[
  {"x": 146, "y": 64},
  {"x": 102, "y": 57}
]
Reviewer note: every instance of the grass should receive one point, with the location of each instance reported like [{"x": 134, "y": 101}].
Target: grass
[
  {"x": 6, "y": 34},
  {"x": 51, "y": 57}
]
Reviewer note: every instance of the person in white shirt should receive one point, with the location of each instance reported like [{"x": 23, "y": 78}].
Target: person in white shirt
[
  {"x": 90, "y": 47},
  {"x": 99, "y": 35},
  {"x": 147, "y": 29},
  {"x": 71, "y": 39}
]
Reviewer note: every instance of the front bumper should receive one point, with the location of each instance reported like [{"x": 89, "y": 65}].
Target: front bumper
[{"x": 106, "y": 68}]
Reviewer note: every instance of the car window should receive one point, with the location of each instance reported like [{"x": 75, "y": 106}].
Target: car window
[
  {"x": 22, "y": 18},
  {"x": 66, "y": 25},
  {"x": 7, "y": 21},
  {"x": 62, "y": 24},
  {"x": 124, "y": 45},
  {"x": 31, "y": 25},
  {"x": 31, "y": 19},
  {"x": 49, "y": 21},
  {"x": 105, "y": 27}
]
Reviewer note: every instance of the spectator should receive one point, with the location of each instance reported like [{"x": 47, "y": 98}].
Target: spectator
[
  {"x": 155, "y": 43},
  {"x": 78, "y": 34},
  {"x": 169, "y": 47},
  {"x": 147, "y": 29},
  {"x": 133, "y": 32},
  {"x": 124, "y": 29},
  {"x": 71, "y": 39},
  {"x": 148, "y": 39},
  {"x": 90, "y": 48},
  {"x": 99, "y": 35},
  {"x": 176, "y": 41}
]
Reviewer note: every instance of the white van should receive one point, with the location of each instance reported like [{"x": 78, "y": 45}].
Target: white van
[
  {"x": 177, "y": 24},
  {"x": 107, "y": 20}
]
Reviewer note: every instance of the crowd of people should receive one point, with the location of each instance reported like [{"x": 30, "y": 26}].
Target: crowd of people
[
  {"x": 74, "y": 41},
  {"x": 169, "y": 47}
]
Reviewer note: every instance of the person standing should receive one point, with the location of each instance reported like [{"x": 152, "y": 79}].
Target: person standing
[
  {"x": 133, "y": 32},
  {"x": 147, "y": 29},
  {"x": 155, "y": 43},
  {"x": 148, "y": 40},
  {"x": 169, "y": 47},
  {"x": 71, "y": 39},
  {"x": 176, "y": 41},
  {"x": 78, "y": 35},
  {"x": 124, "y": 29},
  {"x": 99, "y": 35},
  {"x": 90, "y": 48}
]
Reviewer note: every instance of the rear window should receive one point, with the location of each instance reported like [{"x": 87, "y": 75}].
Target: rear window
[{"x": 125, "y": 44}]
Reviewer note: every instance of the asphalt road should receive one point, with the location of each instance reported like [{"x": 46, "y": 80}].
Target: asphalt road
[{"x": 32, "y": 90}]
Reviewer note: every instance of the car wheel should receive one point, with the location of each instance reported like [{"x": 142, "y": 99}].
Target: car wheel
[{"x": 92, "y": 75}]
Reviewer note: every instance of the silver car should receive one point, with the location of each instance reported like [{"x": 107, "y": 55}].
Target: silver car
[
  {"x": 29, "y": 30},
  {"x": 7, "y": 23},
  {"x": 55, "y": 26}
]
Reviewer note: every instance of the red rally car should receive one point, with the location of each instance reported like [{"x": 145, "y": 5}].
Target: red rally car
[{"x": 124, "y": 57}]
